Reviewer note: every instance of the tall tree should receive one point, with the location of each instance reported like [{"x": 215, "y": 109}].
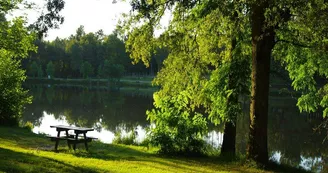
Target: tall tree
[
  {"x": 16, "y": 41},
  {"x": 40, "y": 71},
  {"x": 79, "y": 33},
  {"x": 86, "y": 69},
  {"x": 269, "y": 22},
  {"x": 50, "y": 69},
  {"x": 33, "y": 69}
]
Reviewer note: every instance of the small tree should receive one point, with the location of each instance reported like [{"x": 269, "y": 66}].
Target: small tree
[
  {"x": 177, "y": 129},
  {"x": 113, "y": 70},
  {"x": 50, "y": 69},
  {"x": 99, "y": 71},
  {"x": 12, "y": 95},
  {"x": 106, "y": 69},
  {"x": 86, "y": 69},
  {"x": 40, "y": 71},
  {"x": 117, "y": 71},
  {"x": 33, "y": 69},
  {"x": 16, "y": 42}
]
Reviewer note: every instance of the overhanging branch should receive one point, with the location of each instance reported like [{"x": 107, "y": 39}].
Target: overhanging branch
[{"x": 294, "y": 43}]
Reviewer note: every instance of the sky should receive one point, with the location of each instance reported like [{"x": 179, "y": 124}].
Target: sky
[{"x": 92, "y": 14}]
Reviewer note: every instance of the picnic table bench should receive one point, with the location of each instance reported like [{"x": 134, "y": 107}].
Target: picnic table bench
[{"x": 72, "y": 138}]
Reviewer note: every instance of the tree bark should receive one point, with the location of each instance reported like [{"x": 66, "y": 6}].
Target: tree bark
[
  {"x": 229, "y": 140},
  {"x": 229, "y": 136},
  {"x": 262, "y": 45}
]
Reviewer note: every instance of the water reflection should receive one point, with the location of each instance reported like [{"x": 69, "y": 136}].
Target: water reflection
[
  {"x": 87, "y": 108},
  {"x": 291, "y": 139},
  {"x": 215, "y": 138}
]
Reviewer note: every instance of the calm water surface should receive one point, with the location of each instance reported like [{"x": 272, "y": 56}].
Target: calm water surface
[{"x": 291, "y": 138}]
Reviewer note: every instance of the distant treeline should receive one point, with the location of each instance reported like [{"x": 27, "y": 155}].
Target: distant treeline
[{"x": 92, "y": 55}]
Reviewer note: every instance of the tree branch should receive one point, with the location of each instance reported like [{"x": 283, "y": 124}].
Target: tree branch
[{"x": 294, "y": 43}]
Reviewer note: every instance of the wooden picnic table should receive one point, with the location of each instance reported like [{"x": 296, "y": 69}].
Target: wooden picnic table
[{"x": 72, "y": 138}]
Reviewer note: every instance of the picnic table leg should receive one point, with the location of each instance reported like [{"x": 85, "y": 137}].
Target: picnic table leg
[
  {"x": 57, "y": 141},
  {"x": 67, "y": 136},
  {"x": 76, "y": 138},
  {"x": 85, "y": 141}
]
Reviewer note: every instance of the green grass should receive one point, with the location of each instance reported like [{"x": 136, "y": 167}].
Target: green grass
[{"x": 23, "y": 151}]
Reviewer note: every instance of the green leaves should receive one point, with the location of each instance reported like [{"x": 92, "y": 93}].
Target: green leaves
[
  {"x": 209, "y": 45},
  {"x": 205, "y": 70},
  {"x": 16, "y": 38},
  {"x": 301, "y": 47},
  {"x": 50, "y": 69},
  {"x": 12, "y": 96},
  {"x": 308, "y": 102},
  {"x": 324, "y": 102},
  {"x": 175, "y": 127},
  {"x": 141, "y": 44},
  {"x": 33, "y": 69},
  {"x": 229, "y": 81},
  {"x": 86, "y": 69},
  {"x": 112, "y": 70},
  {"x": 15, "y": 43}
]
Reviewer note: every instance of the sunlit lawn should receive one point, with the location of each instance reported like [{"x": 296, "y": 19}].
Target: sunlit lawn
[{"x": 23, "y": 151}]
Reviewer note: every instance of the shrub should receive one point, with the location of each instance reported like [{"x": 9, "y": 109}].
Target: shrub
[
  {"x": 28, "y": 125},
  {"x": 114, "y": 71},
  {"x": 12, "y": 96},
  {"x": 50, "y": 69},
  {"x": 176, "y": 128},
  {"x": 129, "y": 139},
  {"x": 86, "y": 69}
]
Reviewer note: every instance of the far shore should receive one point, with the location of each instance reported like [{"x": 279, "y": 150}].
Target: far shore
[{"x": 134, "y": 81}]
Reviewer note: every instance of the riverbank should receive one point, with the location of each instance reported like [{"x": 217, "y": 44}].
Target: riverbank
[
  {"x": 24, "y": 151},
  {"x": 277, "y": 87},
  {"x": 95, "y": 82}
]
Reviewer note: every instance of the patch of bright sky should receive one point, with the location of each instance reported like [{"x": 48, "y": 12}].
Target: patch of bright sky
[{"x": 92, "y": 14}]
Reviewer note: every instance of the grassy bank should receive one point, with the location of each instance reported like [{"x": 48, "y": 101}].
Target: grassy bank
[{"x": 23, "y": 151}]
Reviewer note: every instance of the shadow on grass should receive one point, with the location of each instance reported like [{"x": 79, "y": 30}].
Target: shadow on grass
[
  {"x": 111, "y": 152},
  {"x": 220, "y": 163},
  {"x": 11, "y": 161},
  {"x": 24, "y": 138},
  {"x": 188, "y": 164},
  {"x": 20, "y": 162}
]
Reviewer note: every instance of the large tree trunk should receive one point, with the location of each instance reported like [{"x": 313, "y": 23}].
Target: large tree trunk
[
  {"x": 229, "y": 136},
  {"x": 262, "y": 43},
  {"x": 229, "y": 140}
]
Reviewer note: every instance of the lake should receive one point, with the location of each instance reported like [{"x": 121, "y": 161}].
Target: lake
[{"x": 292, "y": 139}]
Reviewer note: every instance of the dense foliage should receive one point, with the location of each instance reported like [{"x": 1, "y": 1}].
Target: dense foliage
[
  {"x": 201, "y": 68},
  {"x": 206, "y": 38},
  {"x": 16, "y": 42},
  {"x": 12, "y": 95},
  {"x": 87, "y": 55},
  {"x": 177, "y": 128}
]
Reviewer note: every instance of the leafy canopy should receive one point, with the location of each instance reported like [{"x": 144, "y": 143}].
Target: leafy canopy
[
  {"x": 15, "y": 43},
  {"x": 210, "y": 41}
]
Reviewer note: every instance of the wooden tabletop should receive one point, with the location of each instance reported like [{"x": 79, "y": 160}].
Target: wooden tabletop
[{"x": 72, "y": 128}]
